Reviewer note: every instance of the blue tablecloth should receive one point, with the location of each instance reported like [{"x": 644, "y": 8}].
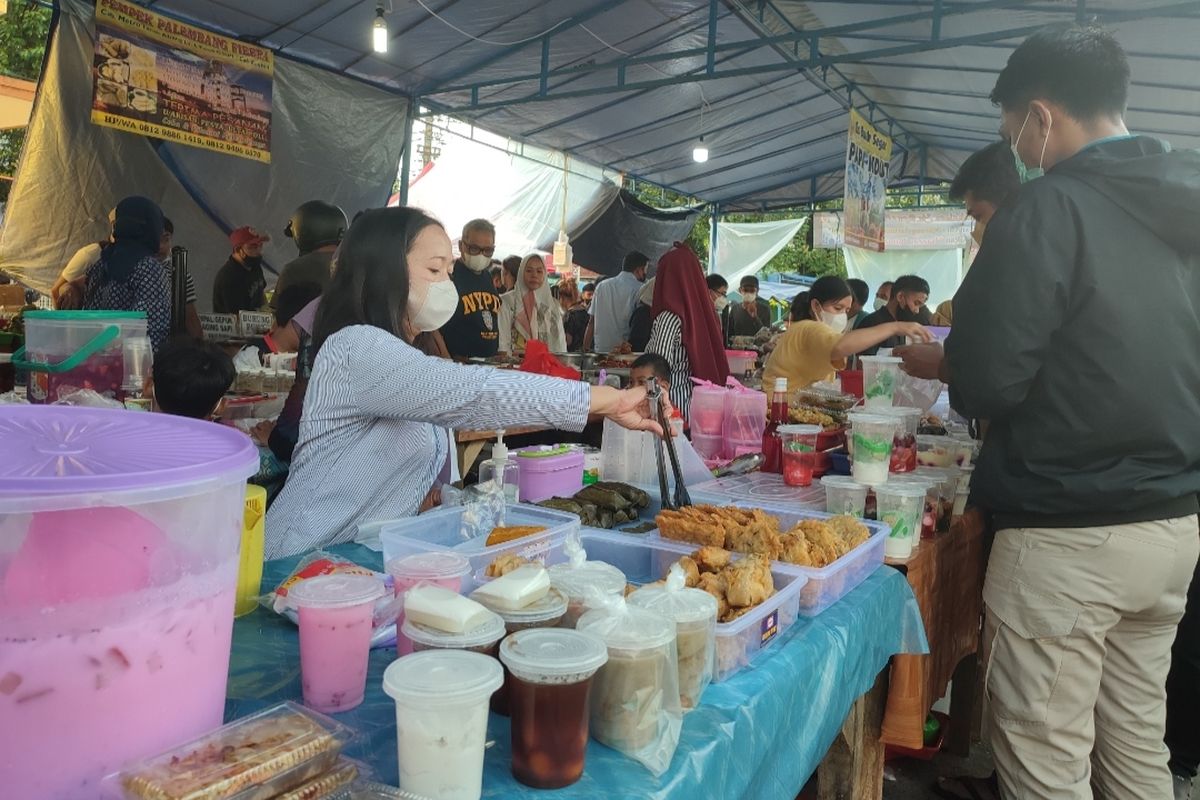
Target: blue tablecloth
[{"x": 759, "y": 735}]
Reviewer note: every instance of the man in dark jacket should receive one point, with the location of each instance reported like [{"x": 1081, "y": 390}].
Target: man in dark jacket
[
  {"x": 240, "y": 284},
  {"x": 909, "y": 293},
  {"x": 472, "y": 331},
  {"x": 1075, "y": 334},
  {"x": 748, "y": 317}
]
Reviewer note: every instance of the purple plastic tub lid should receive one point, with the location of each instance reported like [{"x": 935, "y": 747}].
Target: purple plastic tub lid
[{"x": 58, "y": 450}]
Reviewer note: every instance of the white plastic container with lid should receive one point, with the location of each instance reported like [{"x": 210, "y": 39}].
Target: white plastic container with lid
[
  {"x": 694, "y": 612},
  {"x": 844, "y": 495},
  {"x": 441, "y": 701},
  {"x": 121, "y": 534},
  {"x": 583, "y": 581},
  {"x": 901, "y": 505},
  {"x": 871, "y": 437},
  {"x": 545, "y": 613},
  {"x": 635, "y": 696},
  {"x": 481, "y": 639}
]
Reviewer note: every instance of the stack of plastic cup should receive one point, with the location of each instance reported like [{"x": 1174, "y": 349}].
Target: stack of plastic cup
[
  {"x": 900, "y": 505},
  {"x": 871, "y": 438},
  {"x": 904, "y": 442},
  {"x": 440, "y": 569},
  {"x": 799, "y": 453},
  {"x": 844, "y": 495},
  {"x": 880, "y": 374},
  {"x": 335, "y": 638},
  {"x": 550, "y": 672},
  {"x": 441, "y": 701},
  {"x": 933, "y": 503}
]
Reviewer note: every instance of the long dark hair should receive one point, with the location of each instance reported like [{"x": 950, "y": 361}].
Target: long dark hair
[
  {"x": 825, "y": 290},
  {"x": 370, "y": 274}
]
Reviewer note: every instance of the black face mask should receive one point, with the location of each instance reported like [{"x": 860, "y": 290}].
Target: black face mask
[
  {"x": 252, "y": 261},
  {"x": 904, "y": 315}
]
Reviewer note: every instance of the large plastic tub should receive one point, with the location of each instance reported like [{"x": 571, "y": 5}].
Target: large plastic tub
[
  {"x": 764, "y": 487},
  {"x": 119, "y": 535},
  {"x": 740, "y": 642},
  {"x": 826, "y": 585},
  {"x": 68, "y": 350},
  {"x": 444, "y": 529}
]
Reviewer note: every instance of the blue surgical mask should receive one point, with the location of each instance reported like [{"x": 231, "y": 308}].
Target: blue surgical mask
[{"x": 1024, "y": 173}]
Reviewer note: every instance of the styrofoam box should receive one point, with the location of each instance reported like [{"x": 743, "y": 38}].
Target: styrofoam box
[
  {"x": 739, "y": 642},
  {"x": 828, "y": 584},
  {"x": 441, "y": 530}
]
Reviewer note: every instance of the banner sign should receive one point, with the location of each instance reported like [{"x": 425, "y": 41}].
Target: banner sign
[
  {"x": 219, "y": 327},
  {"x": 158, "y": 77},
  {"x": 255, "y": 323},
  {"x": 868, "y": 162}
]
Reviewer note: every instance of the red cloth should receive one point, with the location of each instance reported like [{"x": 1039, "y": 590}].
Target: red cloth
[
  {"x": 679, "y": 287},
  {"x": 539, "y": 360}
]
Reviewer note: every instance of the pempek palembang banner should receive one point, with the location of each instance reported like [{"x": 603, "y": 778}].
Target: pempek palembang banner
[
  {"x": 868, "y": 162},
  {"x": 155, "y": 76}
]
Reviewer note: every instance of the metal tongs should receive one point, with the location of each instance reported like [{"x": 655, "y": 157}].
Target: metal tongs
[{"x": 658, "y": 412}]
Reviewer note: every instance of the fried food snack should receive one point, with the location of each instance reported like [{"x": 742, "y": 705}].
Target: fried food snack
[
  {"x": 795, "y": 550},
  {"x": 737, "y": 585},
  {"x": 714, "y": 584},
  {"x": 818, "y": 543},
  {"x": 507, "y": 534},
  {"x": 850, "y": 529},
  {"x": 691, "y": 570},
  {"x": 324, "y": 786},
  {"x": 691, "y": 524},
  {"x": 710, "y": 559},
  {"x": 748, "y": 581},
  {"x": 505, "y": 564},
  {"x": 744, "y": 530}
]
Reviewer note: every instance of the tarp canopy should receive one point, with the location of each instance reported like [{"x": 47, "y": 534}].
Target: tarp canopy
[
  {"x": 16, "y": 102},
  {"x": 743, "y": 248},
  {"x": 72, "y": 172},
  {"x": 629, "y": 224},
  {"x": 942, "y": 268},
  {"x": 631, "y": 84}
]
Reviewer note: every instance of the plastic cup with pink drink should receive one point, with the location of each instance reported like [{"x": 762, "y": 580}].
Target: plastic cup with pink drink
[
  {"x": 335, "y": 638},
  {"x": 440, "y": 569}
]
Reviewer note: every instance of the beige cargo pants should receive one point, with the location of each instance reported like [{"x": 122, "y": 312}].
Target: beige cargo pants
[{"x": 1078, "y": 632}]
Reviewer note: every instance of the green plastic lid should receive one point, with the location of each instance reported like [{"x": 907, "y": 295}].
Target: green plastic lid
[
  {"x": 561, "y": 450},
  {"x": 84, "y": 316}
]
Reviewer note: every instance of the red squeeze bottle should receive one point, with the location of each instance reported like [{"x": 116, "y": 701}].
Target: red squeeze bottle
[{"x": 772, "y": 446}]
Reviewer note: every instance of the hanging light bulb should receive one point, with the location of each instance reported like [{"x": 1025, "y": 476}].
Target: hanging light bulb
[
  {"x": 379, "y": 31},
  {"x": 700, "y": 151}
]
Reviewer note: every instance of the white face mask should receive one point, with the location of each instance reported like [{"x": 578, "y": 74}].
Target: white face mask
[
  {"x": 477, "y": 263},
  {"x": 441, "y": 299},
  {"x": 880, "y": 303},
  {"x": 749, "y": 297},
  {"x": 722, "y": 303},
  {"x": 835, "y": 321}
]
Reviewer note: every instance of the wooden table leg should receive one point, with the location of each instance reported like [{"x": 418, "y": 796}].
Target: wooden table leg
[
  {"x": 467, "y": 454},
  {"x": 964, "y": 707},
  {"x": 853, "y": 767}
]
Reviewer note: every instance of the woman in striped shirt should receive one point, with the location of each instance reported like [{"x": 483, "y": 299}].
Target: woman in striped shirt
[
  {"x": 686, "y": 331},
  {"x": 373, "y": 438}
]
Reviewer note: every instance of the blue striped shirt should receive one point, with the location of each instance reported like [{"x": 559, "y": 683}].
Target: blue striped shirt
[{"x": 373, "y": 433}]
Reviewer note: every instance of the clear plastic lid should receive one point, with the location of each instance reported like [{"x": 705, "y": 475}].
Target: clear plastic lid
[
  {"x": 576, "y": 581},
  {"x": 429, "y": 566},
  {"x": 897, "y": 411},
  {"x": 675, "y": 601},
  {"x": 842, "y": 482},
  {"x": 626, "y": 627},
  {"x": 881, "y": 359},
  {"x": 553, "y": 655},
  {"x": 800, "y": 430},
  {"x": 233, "y": 760},
  {"x": 481, "y": 636},
  {"x": 433, "y": 678},
  {"x": 552, "y": 606},
  {"x": 335, "y": 591},
  {"x": 871, "y": 419},
  {"x": 902, "y": 489}
]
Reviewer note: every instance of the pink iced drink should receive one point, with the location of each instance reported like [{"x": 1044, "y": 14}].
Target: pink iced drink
[
  {"x": 335, "y": 638},
  {"x": 91, "y": 686},
  {"x": 440, "y": 569}
]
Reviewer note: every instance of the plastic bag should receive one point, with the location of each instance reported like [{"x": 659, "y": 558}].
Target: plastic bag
[
  {"x": 324, "y": 563},
  {"x": 84, "y": 398},
  {"x": 694, "y": 612},
  {"x": 539, "y": 360},
  {"x": 247, "y": 359},
  {"x": 583, "y": 581},
  {"x": 634, "y": 698},
  {"x": 14, "y": 398}
]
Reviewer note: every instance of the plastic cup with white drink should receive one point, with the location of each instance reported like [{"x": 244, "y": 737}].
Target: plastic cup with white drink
[
  {"x": 900, "y": 505},
  {"x": 871, "y": 438}
]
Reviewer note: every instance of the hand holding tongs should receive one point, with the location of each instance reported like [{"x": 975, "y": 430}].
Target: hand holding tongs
[{"x": 681, "y": 497}]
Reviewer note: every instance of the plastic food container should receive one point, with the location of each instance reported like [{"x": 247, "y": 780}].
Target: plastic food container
[
  {"x": 900, "y": 506},
  {"x": 799, "y": 453},
  {"x": 852, "y": 382},
  {"x": 335, "y": 614},
  {"x": 739, "y": 643},
  {"x": 844, "y": 495},
  {"x": 447, "y": 529},
  {"x": 266, "y": 754},
  {"x": 936, "y": 451},
  {"x": 947, "y": 487},
  {"x": 871, "y": 437},
  {"x": 694, "y": 613},
  {"x": 481, "y": 639},
  {"x": 441, "y": 701},
  {"x": 964, "y": 477},
  {"x": 545, "y": 613},
  {"x": 765, "y": 487},
  {"x": 251, "y": 565},
  {"x": 119, "y": 539},
  {"x": 741, "y": 361},
  {"x": 707, "y": 411},
  {"x": 550, "y": 678},
  {"x": 68, "y": 350},
  {"x": 966, "y": 450},
  {"x": 904, "y": 441},
  {"x": 709, "y": 448},
  {"x": 578, "y": 581},
  {"x": 880, "y": 374},
  {"x": 448, "y": 570},
  {"x": 549, "y": 472},
  {"x": 745, "y": 420}
]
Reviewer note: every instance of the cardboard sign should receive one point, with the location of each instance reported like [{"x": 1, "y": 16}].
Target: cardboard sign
[
  {"x": 255, "y": 323},
  {"x": 219, "y": 326}
]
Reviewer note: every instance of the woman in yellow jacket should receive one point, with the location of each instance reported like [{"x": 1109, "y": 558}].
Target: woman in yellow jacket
[{"x": 817, "y": 343}]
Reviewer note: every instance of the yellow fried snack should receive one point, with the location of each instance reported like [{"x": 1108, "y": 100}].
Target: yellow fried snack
[
  {"x": 748, "y": 581},
  {"x": 691, "y": 524},
  {"x": 850, "y": 529},
  {"x": 505, "y": 564},
  {"x": 502, "y": 535},
  {"x": 711, "y": 559},
  {"x": 691, "y": 571},
  {"x": 795, "y": 549},
  {"x": 714, "y": 584}
]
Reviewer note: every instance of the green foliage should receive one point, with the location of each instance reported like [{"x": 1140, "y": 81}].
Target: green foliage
[{"x": 23, "y": 32}]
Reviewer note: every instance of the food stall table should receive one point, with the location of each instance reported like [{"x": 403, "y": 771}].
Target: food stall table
[
  {"x": 946, "y": 574},
  {"x": 759, "y": 735}
]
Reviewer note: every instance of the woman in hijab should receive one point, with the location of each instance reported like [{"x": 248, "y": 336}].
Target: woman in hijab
[
  {"x": 642, "y": 319},
  {"x": 129, "y": 276},
  {"x": 686, "y": 332},
  {"x": 529, "y": 311}
]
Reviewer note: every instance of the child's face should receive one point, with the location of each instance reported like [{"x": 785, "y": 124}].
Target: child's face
[{"x": 641, "y": 376}]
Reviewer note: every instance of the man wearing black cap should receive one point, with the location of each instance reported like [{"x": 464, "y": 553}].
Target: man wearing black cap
[{"x": 612, "y": 305}]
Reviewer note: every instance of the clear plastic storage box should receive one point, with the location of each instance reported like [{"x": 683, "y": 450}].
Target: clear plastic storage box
[
  {"x": 758, "y": 487},
  {"x": 449, "y": 528}
]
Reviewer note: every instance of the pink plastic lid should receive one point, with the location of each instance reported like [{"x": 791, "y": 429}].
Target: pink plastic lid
[
  {"x": 741, "y": 353},
  {"x": 66, "y": 457}
]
